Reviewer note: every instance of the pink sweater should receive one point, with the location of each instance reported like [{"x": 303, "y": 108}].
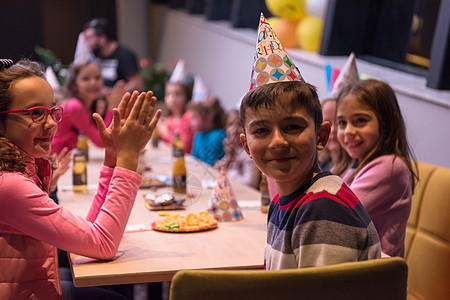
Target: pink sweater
[
  {"x": 32, "y": 226},
  {"x": 77, "y": 119},
  {"x": 183, "y": 127},
  {"x": 385, "y": 190}
]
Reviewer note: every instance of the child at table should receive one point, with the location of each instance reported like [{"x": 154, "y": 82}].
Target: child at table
[
  {"x": 237, "y": 164},
  {"x": 379, "y": 165},
  {"x": 315, "y": 219},
  {"x": 84, "y": 88},
  {"x": 331, "y": 151},
  {"x": 32, "y": 225},
  {"x": 207, "y": 122},
  {"x": 177, "y": 96}
]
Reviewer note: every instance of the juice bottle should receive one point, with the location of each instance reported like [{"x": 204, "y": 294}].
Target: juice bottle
[
  {"x": 265, "y": 197},
  {"x": 155, "y": 138},
  {"x": 177, "y": 146},
  {"x": 79, "y": 172},
  {"x": 82, "y": 146},
  {"x": 179, "y": 175}
]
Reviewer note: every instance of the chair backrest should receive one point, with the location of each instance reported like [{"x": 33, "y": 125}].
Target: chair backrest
[
  {"x": 427, "y": 242},
  {"x": 383, "y": 278}
]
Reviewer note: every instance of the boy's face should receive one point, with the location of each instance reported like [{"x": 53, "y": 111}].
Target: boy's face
[{"x": 283, "y": 143}]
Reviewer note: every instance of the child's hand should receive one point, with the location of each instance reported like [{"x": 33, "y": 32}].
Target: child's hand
[
  {"x": 131, "y": 129},
  {"x": 163, "y": 127},
  {"x": 62, "y": 163},
  {"x": 114, "y": 95}
]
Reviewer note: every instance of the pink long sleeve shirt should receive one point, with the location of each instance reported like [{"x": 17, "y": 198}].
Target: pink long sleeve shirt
[
  {"x": 77, "y": 119},
  {"x": 32, "y": 226},
  {"x": 384, "y": 187},
  {"x": 183, "y": 127}
]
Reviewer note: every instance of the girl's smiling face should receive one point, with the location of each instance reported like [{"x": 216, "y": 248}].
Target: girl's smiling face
[
  {"x": 89, "y": 83},
  {"x": 358, "y": 127},
  {"x": 35, "y": 139},
  {"x": 328, "y": 112},
  {"x": 175, "y": 99}
]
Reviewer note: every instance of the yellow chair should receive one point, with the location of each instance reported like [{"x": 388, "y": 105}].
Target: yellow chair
[
  {"x": 427, "y": 241},
  {"x": 383, "y": 278}
]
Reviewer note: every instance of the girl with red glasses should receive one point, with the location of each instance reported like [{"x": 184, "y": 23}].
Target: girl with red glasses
[{"x": 32, "y": 225}]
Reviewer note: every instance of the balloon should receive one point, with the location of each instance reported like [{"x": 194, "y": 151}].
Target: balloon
[
  {"x": 273, "y": 21},
  {"x": 309, "y": 33},
  {"x": 285, "y": 31},
  {"x": 316, "y": 8},
  {"x": 288, "y": 9}
]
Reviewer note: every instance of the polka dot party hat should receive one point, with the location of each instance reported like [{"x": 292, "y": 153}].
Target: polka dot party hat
[
  {"x": 271, "y": 61},
  {"x": 223, "y": 205},
  {"x": 347, "y": 76}
]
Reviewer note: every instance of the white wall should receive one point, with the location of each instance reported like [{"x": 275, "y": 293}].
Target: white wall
[{"x": 223, "y": 57}]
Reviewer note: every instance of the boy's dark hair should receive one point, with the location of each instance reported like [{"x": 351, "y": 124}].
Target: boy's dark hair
[
  {"x": 101, "y": 27},
  {"x": 300, "y": 94}
]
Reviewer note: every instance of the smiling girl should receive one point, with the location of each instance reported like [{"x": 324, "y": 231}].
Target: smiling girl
[
  {"x": 32, "y": 225},
  {"x": 378, "y": 165},
  {"x": 85, "y": 89}
]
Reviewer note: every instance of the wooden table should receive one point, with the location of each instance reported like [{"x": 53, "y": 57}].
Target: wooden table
[{"x": 146, "y": 255}]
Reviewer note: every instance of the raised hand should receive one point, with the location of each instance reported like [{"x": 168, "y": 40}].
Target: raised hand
[{"x": 131, "y": 129}]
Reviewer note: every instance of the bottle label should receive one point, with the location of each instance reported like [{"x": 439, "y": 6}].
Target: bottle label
[
  {"x": 79, "y": 179},
  {"x": 265, "y": 199},
  {"x": 179, "y": 183}
]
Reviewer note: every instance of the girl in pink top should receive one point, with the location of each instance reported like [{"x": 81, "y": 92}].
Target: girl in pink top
[
  {"x": 378, "y": 162},
  {"x": 33, "y": 226},
  {"x": 176, "y": 97},
  {"x": 85, "y": 89}
]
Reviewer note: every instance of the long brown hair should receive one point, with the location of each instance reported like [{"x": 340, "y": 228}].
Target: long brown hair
[
  {"x": 12, "y": 159},
  {"x": 381, "y": 99}
]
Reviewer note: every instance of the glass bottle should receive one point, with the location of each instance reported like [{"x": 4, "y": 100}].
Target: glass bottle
[
  {"x": 82, "y": 146},
  {"x": 177, "y": 146},
  {"x": 179, "y": 175},
  {"x": 265, "y": 197},
  {"x": 79, "y": 173}
]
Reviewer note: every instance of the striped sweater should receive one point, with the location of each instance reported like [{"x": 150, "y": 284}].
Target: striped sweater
[{"x": 322, "y": 223}]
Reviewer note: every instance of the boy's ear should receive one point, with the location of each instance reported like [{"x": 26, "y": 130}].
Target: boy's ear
[
  {"x": 244, "y": 144},
  {"x": 322, "y": 135}
]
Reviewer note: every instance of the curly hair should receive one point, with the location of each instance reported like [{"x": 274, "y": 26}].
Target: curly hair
[{"x": 12, "y": 159}]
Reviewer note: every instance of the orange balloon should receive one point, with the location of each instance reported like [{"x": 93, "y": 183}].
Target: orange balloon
[{"x": 285, "y": 30}]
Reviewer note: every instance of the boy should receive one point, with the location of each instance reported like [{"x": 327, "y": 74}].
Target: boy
[{"x": 315, "y": 219}]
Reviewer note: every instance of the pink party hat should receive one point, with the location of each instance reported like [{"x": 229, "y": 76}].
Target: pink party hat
[
  {"x": 51, "y": 78},
  {"x": 271, "y": 62},
  {"x": 223, "y": 205},
  {"x": 200, "y": 91},
  {"x": 179, "y": 74},
  {"x": 347, "y": 76},
  {"x": 83, "y": 53}
]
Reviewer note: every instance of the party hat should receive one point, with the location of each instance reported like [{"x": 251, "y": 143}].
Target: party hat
[
  {"x": 200, "y": 91},
  {"x": 347, "y": 76},
  {"x": 223, "y": 205},
  {"x": 271, "y": 62},
  {"x": 83, "y": 53},
  {"x": 179, "y": 74},
  {"x": 51, "y": 78}
]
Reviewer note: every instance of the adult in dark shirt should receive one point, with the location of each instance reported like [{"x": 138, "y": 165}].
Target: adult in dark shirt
[{"x": 117, "y": 62}]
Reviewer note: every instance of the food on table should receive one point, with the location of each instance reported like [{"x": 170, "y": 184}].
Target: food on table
[
  {"x": 190, "y": 222},
  {"x": 152, "y": 181}
]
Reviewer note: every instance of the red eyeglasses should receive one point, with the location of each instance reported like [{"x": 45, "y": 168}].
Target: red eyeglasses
[{"x": 39, "y": 114}]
